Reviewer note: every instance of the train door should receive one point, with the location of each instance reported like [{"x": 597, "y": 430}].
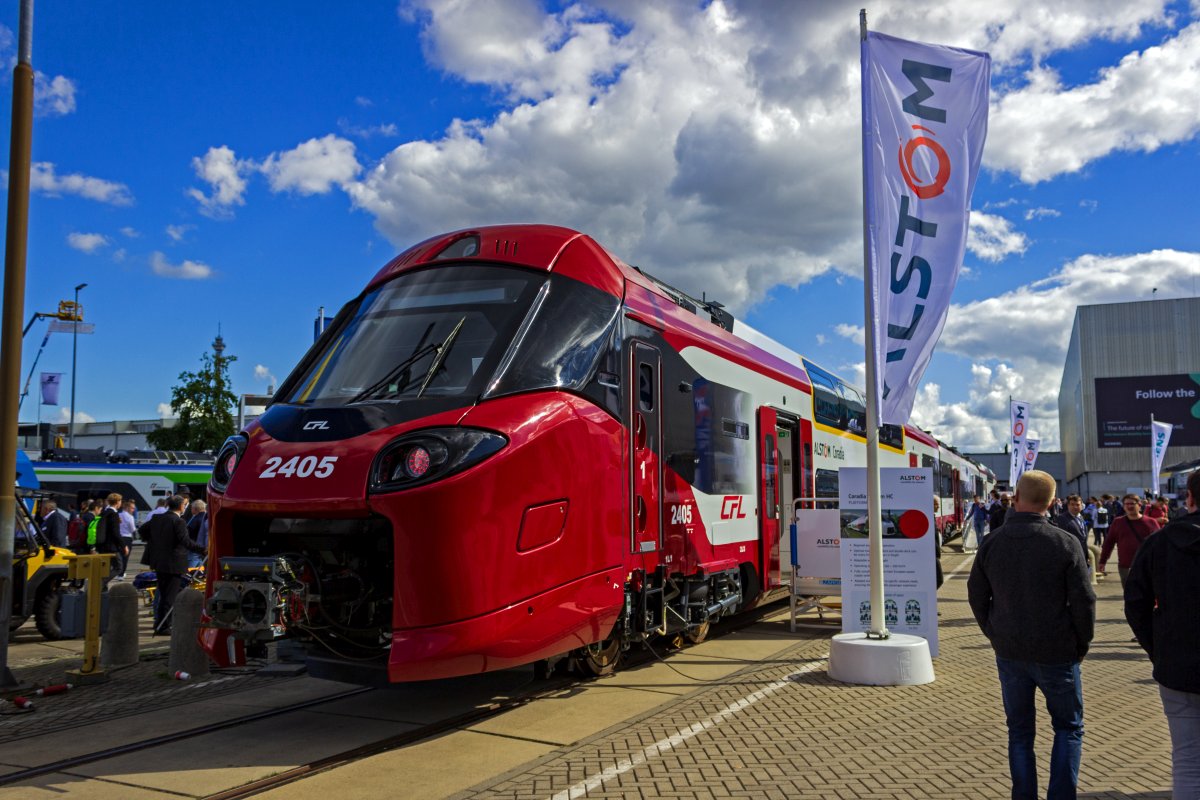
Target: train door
[
  {"x": 805, "y": 470},
  {"x": 790, "y": 469},
  {"x": 768, "y": 496},
  {"x": 645, "y": 432},
  {"x": 956, "y": 488}
]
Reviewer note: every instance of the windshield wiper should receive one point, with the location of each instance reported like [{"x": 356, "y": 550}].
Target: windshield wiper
[
  {"x": 440, "y": 358},
  {"x": 400, "y": 368}
]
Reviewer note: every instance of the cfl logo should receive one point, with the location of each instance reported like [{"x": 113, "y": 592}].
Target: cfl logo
[
  {"x": 731, "y": 507},
  {"x": 316, "y": 425}
]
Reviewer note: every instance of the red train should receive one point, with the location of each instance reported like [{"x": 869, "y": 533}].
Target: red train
[{"x": 513, "y": 448}]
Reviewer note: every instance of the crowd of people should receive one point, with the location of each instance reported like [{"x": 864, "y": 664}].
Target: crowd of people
[
  {"x": 1030, "y": 590},
  {"x": 175, "y": 534}
]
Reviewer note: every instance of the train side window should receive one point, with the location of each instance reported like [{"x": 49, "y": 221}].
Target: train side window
[
  {"x": 646, "y": 387},
  {"x": 828, "y": 406}
]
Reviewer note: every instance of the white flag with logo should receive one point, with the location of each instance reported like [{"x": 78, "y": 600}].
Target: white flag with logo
[
  {"x": 1018, "y": 427},
  {"x": 924, "y": 123},
  {"x": 1031, "y": 453},
  {"x": 1160, "y": 435}
]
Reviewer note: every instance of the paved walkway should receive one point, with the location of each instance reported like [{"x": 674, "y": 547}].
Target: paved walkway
[{"x": 782, "y": 728}]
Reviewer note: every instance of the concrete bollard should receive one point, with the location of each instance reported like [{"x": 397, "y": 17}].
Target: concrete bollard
[
  {"x": 186, "y": 653},
  {"x": 119, "y": 647}
]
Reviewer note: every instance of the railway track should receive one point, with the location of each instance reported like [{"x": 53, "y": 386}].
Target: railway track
[{"x": 530, "y": 692}]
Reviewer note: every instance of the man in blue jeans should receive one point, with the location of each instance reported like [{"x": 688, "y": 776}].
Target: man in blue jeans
[
  {"x": 1162, "y": 594},
  {"x": 1031, "y": 595}
]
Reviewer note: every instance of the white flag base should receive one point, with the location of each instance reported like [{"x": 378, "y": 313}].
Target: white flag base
[{"x": 899, "y": 660}]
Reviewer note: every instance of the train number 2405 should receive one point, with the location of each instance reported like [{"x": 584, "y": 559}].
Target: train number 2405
[{"x": 299, "y": 467}]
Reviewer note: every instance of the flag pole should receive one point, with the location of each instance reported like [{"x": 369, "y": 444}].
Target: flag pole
[
  {"x": 874, "y": 517},
  {"x": 1153, "y": 479}
]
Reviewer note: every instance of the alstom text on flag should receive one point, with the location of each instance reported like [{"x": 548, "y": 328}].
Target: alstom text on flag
[{"x": 925, "y": 119}]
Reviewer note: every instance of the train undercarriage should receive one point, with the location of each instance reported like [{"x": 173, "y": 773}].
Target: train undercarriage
[{"x": 327, "y": 584}]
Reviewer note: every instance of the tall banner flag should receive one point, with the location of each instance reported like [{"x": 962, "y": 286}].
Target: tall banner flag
[
  {"x": 50, "y": 385},
  {"x": 1031, "y": 454},
  {"x": 1160, "y": 435},
  {"x": 1018, "y": 425},
  {"x": 924, "y": 123}
]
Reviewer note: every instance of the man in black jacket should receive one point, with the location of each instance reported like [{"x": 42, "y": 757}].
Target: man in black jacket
[
  {"x": 167, "y": 547},
  {"x": 1030, "y": 593},
  {"x": 108, "y": 536},
  {"x": 1166, "y": 574}
]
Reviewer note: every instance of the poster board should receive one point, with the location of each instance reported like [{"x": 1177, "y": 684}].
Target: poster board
[
  {"x": 817, "y": 552},
  {"x": 909, "y": 570}
]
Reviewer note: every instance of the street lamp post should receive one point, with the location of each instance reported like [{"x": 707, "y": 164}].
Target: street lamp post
[{"x": 74, "y": 350}]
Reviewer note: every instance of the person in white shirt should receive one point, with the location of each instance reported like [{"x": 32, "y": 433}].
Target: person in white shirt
[{"x": 128, "y": 515}]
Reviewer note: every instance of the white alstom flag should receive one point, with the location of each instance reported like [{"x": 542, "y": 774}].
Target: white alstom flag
[
  {"x": 1031, "y": 454},
  {"x": 1018, "y": 427},
  {"x": 1160, "y": 435},
  {"x": 924, "y": 123}
]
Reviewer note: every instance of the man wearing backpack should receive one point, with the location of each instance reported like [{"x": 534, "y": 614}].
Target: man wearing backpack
[
  {"x": 1162, "y": 594},
  {"x": 86, "y": 545}
]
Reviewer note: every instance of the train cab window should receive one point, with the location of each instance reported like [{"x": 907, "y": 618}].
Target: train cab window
[
  {"x": 560, "y": 343},
  {"x": 426, "y": 333},
  {"x": 646, "y": 387}
]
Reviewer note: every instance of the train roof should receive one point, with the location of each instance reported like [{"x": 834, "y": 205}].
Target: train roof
[{"x": 684, "y": 320}]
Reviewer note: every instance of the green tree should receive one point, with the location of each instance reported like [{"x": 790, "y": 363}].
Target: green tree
[{"x": 203, "y": 401}]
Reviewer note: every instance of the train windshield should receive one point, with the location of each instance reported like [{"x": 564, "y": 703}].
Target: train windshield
[{"x": 428, "y": 333}]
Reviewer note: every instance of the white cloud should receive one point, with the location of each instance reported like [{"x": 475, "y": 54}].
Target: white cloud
[
  {"x": 1045, "y": 129},
  {"x": 1041, "y": 213},
  {"x": 685, "y": 137},
  {"x": 64, "y": 416},
  {"x": 177, "y": 232},
  {"x": 43, "y": 178},
  {"x": 165, "y": 410},
  {"x": 130, "y": 232},
  {"x": 263, "y": 373},
  {"x": 822, "y": 338},
  {"x": 854, "y": 333},
  {"x": 53, "y": 97},
  {"x": 188, "y": 270},
  {"x": 992, "y": 237},
  {"x": 387, "y": 131},
  {"x": 221, "y": 169},
  {"x": 312, "y": 167},
  {"x": 1017, "y": 341},
  {"x": 364, "y": 102},
  {"x": 119, "y": 255},
  {"x": 87, "y": 242}
]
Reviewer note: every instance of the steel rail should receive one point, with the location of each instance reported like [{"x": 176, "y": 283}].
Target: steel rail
[{"x": 169, "y": 738}]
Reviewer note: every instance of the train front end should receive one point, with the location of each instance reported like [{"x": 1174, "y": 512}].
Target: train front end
[{"x": 436, "y": 489}]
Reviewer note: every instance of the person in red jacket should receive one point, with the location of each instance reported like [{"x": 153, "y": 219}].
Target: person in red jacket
[{"x": 1127, "y": 534}]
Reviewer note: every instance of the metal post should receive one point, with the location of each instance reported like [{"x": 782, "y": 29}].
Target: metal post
[
  {"x": 874, "y": 512},
  {"x": 93, "y": 569},
  {"x": 74, "y": 350},
  {"x": 15, "y": 251}
]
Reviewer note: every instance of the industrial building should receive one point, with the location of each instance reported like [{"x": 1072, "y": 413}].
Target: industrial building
[{"x": 1127, "y": 362}]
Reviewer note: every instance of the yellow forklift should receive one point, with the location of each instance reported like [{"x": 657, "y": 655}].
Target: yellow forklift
[{"x": 39, "y": 575}]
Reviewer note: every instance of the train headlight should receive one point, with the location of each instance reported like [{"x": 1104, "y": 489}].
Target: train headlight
[
  {"x": 227, "y": 460},
  {"x": 424, "y": 456}
]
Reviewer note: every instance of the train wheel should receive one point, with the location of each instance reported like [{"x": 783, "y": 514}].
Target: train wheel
[
  {"x": 600, "y": 659},
  {"x": 699, "y": 633}
]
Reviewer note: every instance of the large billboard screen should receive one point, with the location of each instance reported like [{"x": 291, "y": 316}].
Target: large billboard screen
[{"x": 1124, "y": 406}]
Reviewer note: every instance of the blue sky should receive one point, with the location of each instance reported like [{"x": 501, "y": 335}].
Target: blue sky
[{"x": 240, "y": 165}]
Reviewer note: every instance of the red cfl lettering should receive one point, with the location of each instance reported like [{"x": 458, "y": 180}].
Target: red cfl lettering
[{"x": 731, "y": 507}]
